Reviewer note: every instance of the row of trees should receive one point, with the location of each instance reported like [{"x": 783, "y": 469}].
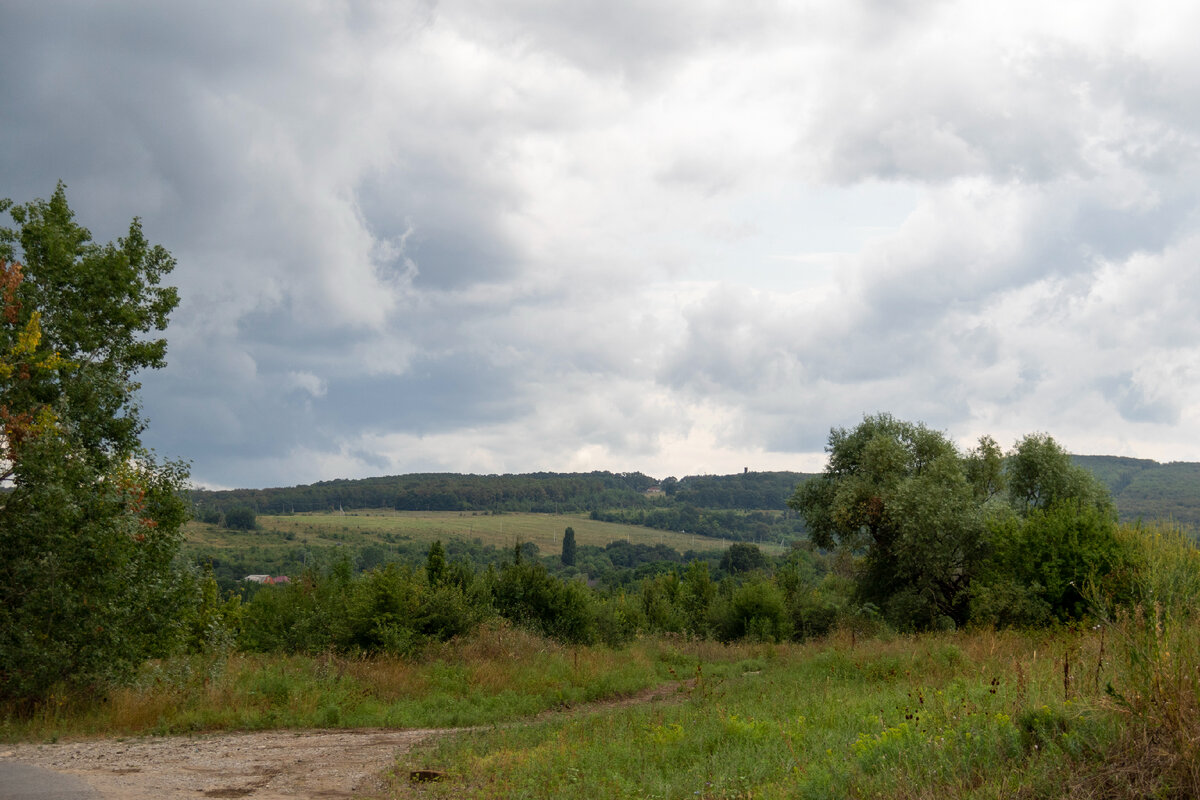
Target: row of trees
[{"x": 737, "y": 526}]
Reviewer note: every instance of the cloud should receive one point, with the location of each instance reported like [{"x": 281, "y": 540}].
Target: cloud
[{"x": 653, "y": 236}]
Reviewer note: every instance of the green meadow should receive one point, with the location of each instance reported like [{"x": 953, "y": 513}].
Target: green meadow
[
  {"x": 980, "y": 715},
  {"x": 362, "y": 528}
]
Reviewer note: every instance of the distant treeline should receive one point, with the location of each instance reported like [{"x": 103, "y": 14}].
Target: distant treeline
[
  {"x": 748, "y": 526},
  {"x": 540, "y": 492}
]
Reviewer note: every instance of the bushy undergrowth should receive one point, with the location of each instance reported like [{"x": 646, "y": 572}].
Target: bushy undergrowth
[{"x": 496, "y": 673}]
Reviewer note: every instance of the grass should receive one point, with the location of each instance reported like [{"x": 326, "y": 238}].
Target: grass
[
  {"x": 982, "y": 716},
  {"x": 497, "y": 674},
  {"x": 1072, "y": 713},
  {"x": 359, "y": 529},
  {"x": 1106, "y": 711}
]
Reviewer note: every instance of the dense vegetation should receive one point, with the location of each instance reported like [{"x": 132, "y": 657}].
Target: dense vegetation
[
  {"x": 543, "y": 492},
  {"x": 906, "y": 531},
  {"x": 90, "y": 521}
]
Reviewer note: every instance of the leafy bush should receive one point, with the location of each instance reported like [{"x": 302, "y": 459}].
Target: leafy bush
[
  {"x": 241, "y": 518},
  {"x": 755, "y": 611}
]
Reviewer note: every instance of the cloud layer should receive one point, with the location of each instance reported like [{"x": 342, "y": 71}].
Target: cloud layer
[{"x": 667, "y": 237}]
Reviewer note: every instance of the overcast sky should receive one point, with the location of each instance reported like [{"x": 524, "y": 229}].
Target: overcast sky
[{"x": 670, "y": 237}]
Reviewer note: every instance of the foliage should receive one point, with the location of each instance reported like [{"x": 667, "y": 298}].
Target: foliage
[
  {"x": 899, "y": 493},
  {"x": 241, "y": 518},
  {"x": 90, "y": 524},
  {"x": 740, "y": 557},
  {"x": 526, "y": 594},
  {"x": 96, "y": 305},
  {"x": 756, "y": 611},
  {"x": 435, "y": 564},
  {"x": 945, "y": 537},
  {"x": 568, "y": 547},
  {"x": 1060, "y": 536},
  {"x": 1041, "y": 475}
]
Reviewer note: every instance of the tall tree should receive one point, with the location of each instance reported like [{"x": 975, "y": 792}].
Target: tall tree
[
  {"x": 90, "y": 524},
  {"x": 898, "y": 493},
  {"x": 1040, "y": 475},
  {"x": 435, "y": 564},
  {"x": 568, "y": 547}
]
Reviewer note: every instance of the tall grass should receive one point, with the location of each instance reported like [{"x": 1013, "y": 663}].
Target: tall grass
[
  {"x": 979, "y": 715},
  {"x": 497, "y": 674},
  {"x": 1156, "y": 688}
]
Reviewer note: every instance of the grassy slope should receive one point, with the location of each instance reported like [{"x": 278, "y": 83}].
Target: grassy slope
[{"x": 358, "y": 529}]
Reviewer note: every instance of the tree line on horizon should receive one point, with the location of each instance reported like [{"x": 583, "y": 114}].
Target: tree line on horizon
[{"x": 539, "y": 492}]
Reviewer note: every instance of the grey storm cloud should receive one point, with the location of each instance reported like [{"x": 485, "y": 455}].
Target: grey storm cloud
[{"x": 664, "y": 236}]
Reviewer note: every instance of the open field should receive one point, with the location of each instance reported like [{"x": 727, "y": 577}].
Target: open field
[
  {"x": 362, "y": 528},
  {"x": 1066, "y": 713}
]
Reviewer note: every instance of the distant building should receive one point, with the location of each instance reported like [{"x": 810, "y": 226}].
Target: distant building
[
  {"x": 267, "y": 579},
  {"x": 653, "y": 491}
]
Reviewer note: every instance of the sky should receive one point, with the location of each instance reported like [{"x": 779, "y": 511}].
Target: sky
[{"x": 671, "y": 237}]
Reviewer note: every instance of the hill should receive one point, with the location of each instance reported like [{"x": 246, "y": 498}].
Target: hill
[
  {"x": 538, "y": 492},
  {"x": 1148, "y": 490}
]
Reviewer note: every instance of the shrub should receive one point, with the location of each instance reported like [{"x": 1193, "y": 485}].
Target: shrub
[
  {"x": 755, "y": 611},
  {"x": 241, "y": 518}
]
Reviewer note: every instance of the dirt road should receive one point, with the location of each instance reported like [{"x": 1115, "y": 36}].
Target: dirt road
[
  {"x": 266, "y": 766},
  {"x": 270, "y": 765}
]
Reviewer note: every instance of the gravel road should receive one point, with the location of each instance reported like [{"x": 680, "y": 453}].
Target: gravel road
[
  {"x": 264, "y": 766},
  {"x": 268, "y": 765}
]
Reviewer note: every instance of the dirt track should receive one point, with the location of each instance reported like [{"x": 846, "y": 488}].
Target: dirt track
[
  {"x": 270, "y": 765},
  {"x": 265, "y": 765}
]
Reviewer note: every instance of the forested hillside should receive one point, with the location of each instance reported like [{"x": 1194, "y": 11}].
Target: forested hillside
[
  {"x": 542, "y": 492},
  {"x": 539, "y": 492},
  {"x": 1148, "y": 490}
]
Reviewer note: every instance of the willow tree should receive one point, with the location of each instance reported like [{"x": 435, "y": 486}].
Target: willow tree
[{"x": 899, "y": 494}]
